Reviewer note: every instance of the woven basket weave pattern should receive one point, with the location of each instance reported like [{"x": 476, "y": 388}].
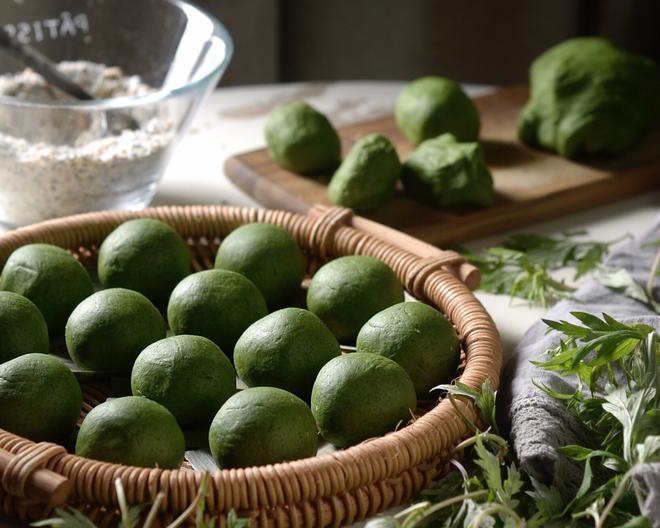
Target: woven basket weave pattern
[{"x": 331, "y": 490}]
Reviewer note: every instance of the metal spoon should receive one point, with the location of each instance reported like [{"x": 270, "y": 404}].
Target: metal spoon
[{"x": 41, "y": 64}]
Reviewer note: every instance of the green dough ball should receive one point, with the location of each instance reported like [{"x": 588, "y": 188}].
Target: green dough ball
[
  {"x": 262, "y": 425},
  {"x": 189, "y": 375},
  {"x": 285, "y": 349},
  {"x": 302, "y": 139},
  {"x": 267, "y": 255},
  {"x": 144, "y": 255},
  {"x": 417, "y": 337},
  {"x": 589, "y": 97},
  {"x": 216, "y": 304},
  {"x": 431, "y": 106},
  {"x": 23, "y": 329},
  {"x": 367, "y": 177},
  {"x": 445, "y": 173},
  {"x": 359, "y": 396},
  {"x": 133, "y": 431},
  {"x": 40, "y": 398},
  {"x": 51, "y": 278},
  {"x": 108, "y": 330},
  {"x": 347, "y": 291}
]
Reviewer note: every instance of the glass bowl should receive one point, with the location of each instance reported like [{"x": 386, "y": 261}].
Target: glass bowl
[{"x": 63, "y": 157}]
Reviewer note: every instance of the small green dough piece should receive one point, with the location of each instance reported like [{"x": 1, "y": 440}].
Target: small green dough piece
[
  {"x": 51, "y": 278},
  {"x": 23, "y": 329},
  {"x": 301, "y": 139},
  {"x": 445, "y": 173},
  {"x": 216, "y": 304},
  {"x": 346, "y": 292},
  {"x": 367, "y": 177},
  {"x": 417, "y": 337},
  {"x": 144, "y": 255},
  {"x": 40, "y": 398},
  {"x": 189, "y": 375},
  {"x": 431, "y": 106},
  {"x": 589, "y": 97},
  {"x": 132, "y": 431},
  {"x": 267, "y": 255},
  {"x": 108, "y": 330},
  {"x": 285, "y": 349},
  {"x": 262, "y": 425}
]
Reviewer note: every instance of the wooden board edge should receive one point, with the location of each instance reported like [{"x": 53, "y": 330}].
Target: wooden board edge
[
  {"x": 542, "y": 209},
  {"x": 262, "y": 190}
]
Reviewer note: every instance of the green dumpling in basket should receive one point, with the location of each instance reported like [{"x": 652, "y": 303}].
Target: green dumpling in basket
[
  {"x": 144, "y": 255},
  {"x": 51, "y": 278},
  {"x": 40, "y": 398},
  {"x": 360, "y": 396},
  {"x": 419, "y": 338},
  {"x": 347, "y": 291},
  {"x": 262, "y": 425},
  {"x": 269, "y": 256},
  {"x": 133, "y": 431}
]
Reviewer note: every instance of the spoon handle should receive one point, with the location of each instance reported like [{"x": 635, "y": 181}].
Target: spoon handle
[{"x": 41, "y": 64}]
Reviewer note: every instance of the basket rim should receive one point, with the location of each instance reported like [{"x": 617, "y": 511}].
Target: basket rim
[{"x": 361, "y": 465}]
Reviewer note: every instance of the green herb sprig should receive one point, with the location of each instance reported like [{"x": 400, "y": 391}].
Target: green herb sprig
[
  {"x": 131, "y": 515},
  {"x": 523, "y": 266},
  {"x": 620, "y": 281},
  {"x": 617, "y": 369}
]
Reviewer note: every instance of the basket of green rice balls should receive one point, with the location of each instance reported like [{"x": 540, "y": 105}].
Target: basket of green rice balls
[{"x": 216, "y": 362}]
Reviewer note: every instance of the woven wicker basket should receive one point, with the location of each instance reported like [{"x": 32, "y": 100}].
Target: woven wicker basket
[{"x": 331, "y": 490}]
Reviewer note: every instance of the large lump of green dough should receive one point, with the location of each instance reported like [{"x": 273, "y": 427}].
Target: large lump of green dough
[
  {"x": 589, "y": 97},
  {"x": 445, "y": 173}
]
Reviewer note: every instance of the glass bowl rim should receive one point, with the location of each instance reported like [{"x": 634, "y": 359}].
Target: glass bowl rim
[{"x": 219, "y": 30}]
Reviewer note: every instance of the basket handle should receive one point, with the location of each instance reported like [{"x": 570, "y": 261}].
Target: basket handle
[
  {"x": 20, "y": 477},
  {"x": 464, "y": 271}
]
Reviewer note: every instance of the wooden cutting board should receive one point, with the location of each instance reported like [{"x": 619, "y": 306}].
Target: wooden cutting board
[{"x": 530, "y": 185}]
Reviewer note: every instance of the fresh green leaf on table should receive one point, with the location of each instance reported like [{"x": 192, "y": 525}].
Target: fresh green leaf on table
[
  {"x": 562, "y": 252},
  {"x": 523, "y": 266},
  {"x": 620, "y": 281},
  {"x": 506, "y": 271}
]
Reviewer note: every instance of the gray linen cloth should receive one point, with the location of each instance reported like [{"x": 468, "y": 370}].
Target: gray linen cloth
[{"x": 536, "y": 423}]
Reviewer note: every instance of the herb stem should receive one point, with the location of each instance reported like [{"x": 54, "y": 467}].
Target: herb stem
[
  {"x": 460, "y": 412},
  {"x": 653, "y": 275},
  {"x": 153, "y": 511},
  {"x": 496, "y": 508},
  {"x": 123, "y": 505},
  {"x": 201, "y": 493},
  {"x": 504, "y": 446},
  {"x": 412, "y": 509},
  {"x": 449, "y": 502},
  {"x": 618, "y": 492}
]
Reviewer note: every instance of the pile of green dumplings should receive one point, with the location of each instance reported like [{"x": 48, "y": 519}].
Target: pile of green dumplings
[
  {"x": 447, "y": 169},
  {"x": 587, "y": 98}
]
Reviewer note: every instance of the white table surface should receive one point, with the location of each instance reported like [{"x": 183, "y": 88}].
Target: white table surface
[{"x": 231, "y": 121}]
